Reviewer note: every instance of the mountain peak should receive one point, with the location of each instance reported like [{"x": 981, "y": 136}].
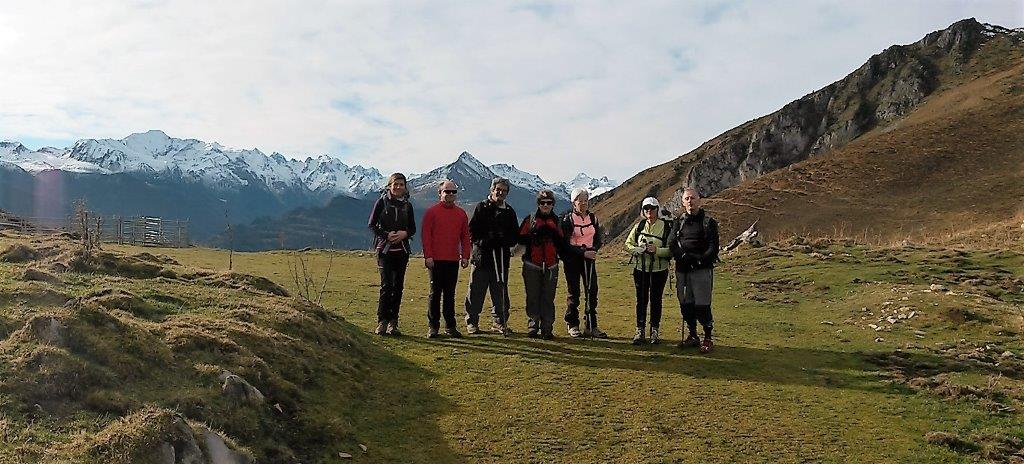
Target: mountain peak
[{"x": 466, "y": 157}]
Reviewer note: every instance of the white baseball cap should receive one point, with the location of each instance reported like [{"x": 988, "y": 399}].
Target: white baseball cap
[{"x": 650, "y": 201}]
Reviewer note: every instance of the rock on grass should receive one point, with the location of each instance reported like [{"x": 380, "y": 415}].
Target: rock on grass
[{"x": 162, "y": 436}]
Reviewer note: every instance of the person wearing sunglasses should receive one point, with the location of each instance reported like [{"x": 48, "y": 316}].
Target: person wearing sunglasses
[
  {"x": 584, "y": 232},
  {"x": 542, "y": 237},
  {"x": 648, "y": 243},
  {"x": 493, "y": 230},
  {"x": 445, "y": 237}
]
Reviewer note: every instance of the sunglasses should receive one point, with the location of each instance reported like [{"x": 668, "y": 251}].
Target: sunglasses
[
  {"x": 546, "y": 203},
  {"x": 650, "y": 208},
  {"x": 450, "y": 192}
]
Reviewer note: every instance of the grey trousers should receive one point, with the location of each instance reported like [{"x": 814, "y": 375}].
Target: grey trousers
[
  {"x": 694, "y": 287},
  {"x": 540, "y": 296},
  {"x": 481, "y": 281}
]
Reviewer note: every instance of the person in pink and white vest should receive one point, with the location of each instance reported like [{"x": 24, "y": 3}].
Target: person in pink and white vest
[{"x": 584, "y": 232}]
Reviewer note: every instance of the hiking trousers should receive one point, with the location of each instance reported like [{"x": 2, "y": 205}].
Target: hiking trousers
[
  {"x": 540, "y": 296},
  {"x": 443, "y": 279},
  {"x": 392, "y": 266},
  {"x": 575, "y": 268},
  {"x": 649, "y": 289},
  {"x": 693, "y": 288},
  {"x": 484, "y": 280}
]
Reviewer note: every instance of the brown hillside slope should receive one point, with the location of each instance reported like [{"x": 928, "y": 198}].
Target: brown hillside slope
[
  {"x": 953, "y": 165},
  {"x": 875, "y": 98}
]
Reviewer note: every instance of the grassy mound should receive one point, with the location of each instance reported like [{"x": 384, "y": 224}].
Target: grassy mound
[{"x": 129, "y": 357}]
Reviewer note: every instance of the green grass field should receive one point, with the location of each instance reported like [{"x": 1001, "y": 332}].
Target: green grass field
[{"x": 795, "y": 376}]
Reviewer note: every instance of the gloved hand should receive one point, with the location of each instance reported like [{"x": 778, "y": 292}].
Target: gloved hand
[{"x": 638, "y": 250}]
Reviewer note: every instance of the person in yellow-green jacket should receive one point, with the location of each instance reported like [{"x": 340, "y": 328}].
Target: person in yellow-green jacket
[{"x": 648, "y": 243}]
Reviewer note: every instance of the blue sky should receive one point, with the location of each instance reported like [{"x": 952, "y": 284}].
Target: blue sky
[{"x": 605, "y": 87}]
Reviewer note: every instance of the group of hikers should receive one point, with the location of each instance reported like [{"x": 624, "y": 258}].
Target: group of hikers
[{"x": 452, "y": 240}]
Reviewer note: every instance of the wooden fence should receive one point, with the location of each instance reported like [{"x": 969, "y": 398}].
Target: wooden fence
[{"x": 123, "y": 230}]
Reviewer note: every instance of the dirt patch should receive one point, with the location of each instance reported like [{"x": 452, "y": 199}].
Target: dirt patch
[{"x": 775, "y": 290}]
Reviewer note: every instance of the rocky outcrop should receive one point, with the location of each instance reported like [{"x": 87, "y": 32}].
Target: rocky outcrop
[
  {"x": 878, "y": 94},
  {"x": 884, "y": 89}
]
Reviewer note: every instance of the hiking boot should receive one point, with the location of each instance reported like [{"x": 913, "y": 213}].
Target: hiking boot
[
  {"x": 498, "y": 328},
  {"x": 597, "y": 333},
  {"x": 692, "y": 341},
  {"x": 532, "y": 333},
  {"x": 707, "y": 345},
  {"x": 453, "y": 332},
  {"x": 655, "y": 339},
  {"x": 547, "y": 335},
  {"x": 638, "y": 338},
  {"x": 393, "y": 328},
  {"x": 574, "y": 331},
  {"x": 382, "y": 328},
  {"x": 432, "y": 332},
  {"x": 506, "y": 331},
  {"x": 472, "y": 329}
]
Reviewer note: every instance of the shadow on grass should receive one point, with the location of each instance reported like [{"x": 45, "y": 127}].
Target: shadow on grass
[
  {"x": 396, "y": 417},
  {"x": 784, "y": 366}
]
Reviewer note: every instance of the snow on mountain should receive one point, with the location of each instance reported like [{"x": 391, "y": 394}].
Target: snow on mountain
[
  {"x": 331, "y": 174},
  {"x": 154, "y": 152},
  {"x": 594, "y": 186},
  {"x": 531, "y": 182},
  {"x": 44, "y": 159},
  {"x": 464, "y": 168}
]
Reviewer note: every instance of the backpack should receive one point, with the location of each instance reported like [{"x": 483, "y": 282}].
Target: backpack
[{"x": 638, "y": 231}]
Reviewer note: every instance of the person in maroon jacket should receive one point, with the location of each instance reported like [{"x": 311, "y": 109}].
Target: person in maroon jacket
[
  {"x": 446, "y": 246},
  {"x": 543, "y": 239}
]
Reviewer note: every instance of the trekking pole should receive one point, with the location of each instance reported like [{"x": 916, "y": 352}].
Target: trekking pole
[
  {"x": 587, "y": 279},
  {"x": 504, "y": 286},
  {"x": 499, "y": 309},
  {"x": 650, "y": 277}
]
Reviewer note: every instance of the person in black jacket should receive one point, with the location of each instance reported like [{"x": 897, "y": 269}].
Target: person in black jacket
[
  {"x": 393, "y": 224},
  {"x": 581, "y": 228},
  {"x": 494, "y": 230},
  {"x": 695, "y": 249}
]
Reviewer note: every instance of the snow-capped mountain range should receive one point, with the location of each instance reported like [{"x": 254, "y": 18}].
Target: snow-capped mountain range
[{"x": 217, "y": 166}]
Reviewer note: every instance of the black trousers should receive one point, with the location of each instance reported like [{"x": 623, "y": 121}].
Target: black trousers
[
  {"x": 575, "y": 268},
  {"x": 649, "y": 289},
  {"x": 443, "y": 279},
  {"x": 392, "y": 266}
]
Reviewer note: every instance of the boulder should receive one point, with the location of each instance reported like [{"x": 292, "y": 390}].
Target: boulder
[{"x": 240, "y": 391}]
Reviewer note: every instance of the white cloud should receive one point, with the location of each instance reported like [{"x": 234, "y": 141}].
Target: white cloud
[{"x": 553, "y": 87}]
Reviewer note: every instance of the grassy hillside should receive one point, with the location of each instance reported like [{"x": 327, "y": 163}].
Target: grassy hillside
[
  {"x": 808, "y": 367},
  {"x": 959, "y": 149},
  {"x": 954, "y": 165},
  {"x": 114, "y": 357}
]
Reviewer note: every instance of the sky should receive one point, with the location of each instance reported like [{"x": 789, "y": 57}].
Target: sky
[{"x": 556, "y": 88}]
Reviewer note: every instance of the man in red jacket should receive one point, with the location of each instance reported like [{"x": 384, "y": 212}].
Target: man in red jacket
[{"x": 446, "y": 246}]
